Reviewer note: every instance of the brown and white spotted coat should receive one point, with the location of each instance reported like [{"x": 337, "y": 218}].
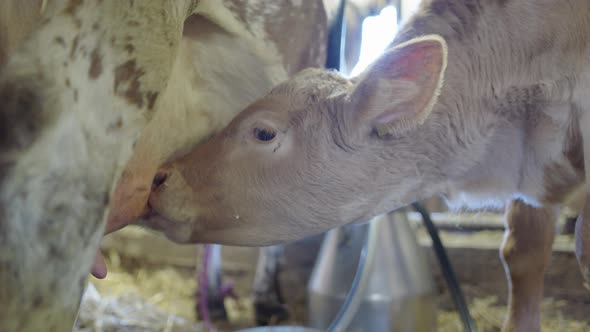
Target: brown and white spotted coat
[
  {"x": 490, "y": 107},
  {"x": 81, "y": 82}
]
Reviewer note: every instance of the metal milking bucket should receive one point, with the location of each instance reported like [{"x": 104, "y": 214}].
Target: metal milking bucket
[{"x": 398, "y": 293}]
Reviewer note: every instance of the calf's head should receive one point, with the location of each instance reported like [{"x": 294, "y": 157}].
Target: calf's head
[{"x": 314, "y": 154}]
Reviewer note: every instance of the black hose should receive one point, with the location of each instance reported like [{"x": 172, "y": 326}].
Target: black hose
[
  {"x": 336, "y": 34},
  {"x": 447, "y": 270}
]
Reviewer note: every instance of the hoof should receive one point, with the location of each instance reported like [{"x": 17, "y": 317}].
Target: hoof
[{"x": 272, "y": 313}]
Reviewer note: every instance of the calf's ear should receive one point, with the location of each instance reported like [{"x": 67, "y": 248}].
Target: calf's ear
[{"x": 397, "y": 92}]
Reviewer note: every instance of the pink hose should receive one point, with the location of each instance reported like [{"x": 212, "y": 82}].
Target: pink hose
[{"x": 203, "y": 287}]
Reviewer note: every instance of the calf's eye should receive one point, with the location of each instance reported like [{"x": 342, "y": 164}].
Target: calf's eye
[{"x": 264, "y": 135}]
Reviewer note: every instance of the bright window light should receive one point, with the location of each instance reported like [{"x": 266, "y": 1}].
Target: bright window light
[
  {"x": 378, "y": 33},
  {"x": 409, "y": 7}
]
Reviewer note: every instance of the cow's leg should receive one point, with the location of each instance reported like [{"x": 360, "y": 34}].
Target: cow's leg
[
  {"x": 525, "y": 253},
  {"x": 268, "y": 302},
  {"x": 76, "y": 90}
]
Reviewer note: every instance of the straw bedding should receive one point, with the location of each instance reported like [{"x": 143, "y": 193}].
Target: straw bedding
[{"x": 161, "y": 298}]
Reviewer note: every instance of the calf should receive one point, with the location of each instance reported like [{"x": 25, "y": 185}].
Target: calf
[{"x": 482, "y": 101}]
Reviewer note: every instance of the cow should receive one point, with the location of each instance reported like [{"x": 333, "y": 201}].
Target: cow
[
  {"x": 484, "y": 102},
  {"x": 95, "y": 93}
]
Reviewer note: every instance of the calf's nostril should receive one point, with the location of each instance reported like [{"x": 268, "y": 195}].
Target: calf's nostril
[{"x": 159, "y": 179}]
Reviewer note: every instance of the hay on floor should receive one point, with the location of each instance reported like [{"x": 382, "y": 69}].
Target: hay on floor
[
  {"x": 489, "y": 317},
  {"x": 141, "y": 297},
  {"x": 127, "y": 312}
]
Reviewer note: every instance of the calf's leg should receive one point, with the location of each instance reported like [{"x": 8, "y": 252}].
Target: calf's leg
[
  {"x": 525, "y": 254},
  {"x": 268, "y": 302}
]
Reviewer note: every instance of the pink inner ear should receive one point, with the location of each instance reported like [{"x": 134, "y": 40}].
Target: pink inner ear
[
  {"x": 413, "y": 61},
  {"x": 399, "y": 87},
  {"x": 412, "y": 73}
]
